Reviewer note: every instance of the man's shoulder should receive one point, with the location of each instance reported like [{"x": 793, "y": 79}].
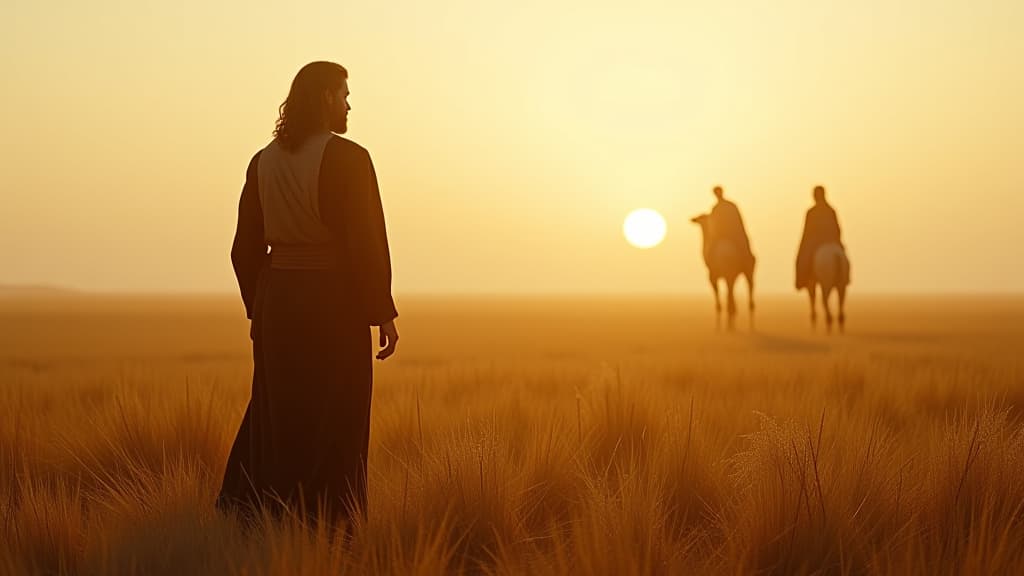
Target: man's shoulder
[
  {"x": 726, "y": 206},
  {"x": 254, "y": 161},
  {"x": 822, "y": 210},
  {"x": 344, "y": 147}
]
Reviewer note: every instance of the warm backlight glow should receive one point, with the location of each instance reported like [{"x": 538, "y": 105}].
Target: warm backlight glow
[
  {"x": 644, "y": 228},
  {"x": 504, "y": 165}
]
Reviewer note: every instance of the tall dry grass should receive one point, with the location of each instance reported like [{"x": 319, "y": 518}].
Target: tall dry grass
[{"x": 604, "y": 453}]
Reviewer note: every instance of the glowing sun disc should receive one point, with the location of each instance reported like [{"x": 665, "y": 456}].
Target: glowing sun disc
[{"x": 644, "y": 228}]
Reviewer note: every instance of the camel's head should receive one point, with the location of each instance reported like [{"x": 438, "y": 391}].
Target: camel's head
[{"x": 701, "y": 220}]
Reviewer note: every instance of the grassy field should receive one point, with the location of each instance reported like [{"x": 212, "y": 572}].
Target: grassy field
[{"x": 571, "y": 436}]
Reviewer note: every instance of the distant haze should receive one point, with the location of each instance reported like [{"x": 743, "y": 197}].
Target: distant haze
[{"x": 511, "y": 139}]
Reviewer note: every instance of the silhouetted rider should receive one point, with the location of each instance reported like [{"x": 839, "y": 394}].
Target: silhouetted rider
[
  {"x": 725, "y": 226},
  {"x": 821, "y": 226}
]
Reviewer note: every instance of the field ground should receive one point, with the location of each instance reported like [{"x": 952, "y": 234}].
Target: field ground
[{"x": 542, "y": 436}]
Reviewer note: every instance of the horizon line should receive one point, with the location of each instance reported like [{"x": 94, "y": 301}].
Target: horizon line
[{"x": 16, "y": 290}]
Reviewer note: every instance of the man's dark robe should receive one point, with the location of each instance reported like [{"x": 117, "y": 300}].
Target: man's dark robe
[
  {"x": 304, "y": 438},
  {"x": 725, "y": 226},
  {"x": 821, "y": 226}
]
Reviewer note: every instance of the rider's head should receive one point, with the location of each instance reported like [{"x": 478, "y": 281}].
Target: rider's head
[
  {"x": 819, "y": 194},
  {"x": 718, "y": 192}
]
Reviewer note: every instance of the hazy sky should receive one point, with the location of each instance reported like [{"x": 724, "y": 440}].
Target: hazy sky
[{"x": 512, "y": 138}]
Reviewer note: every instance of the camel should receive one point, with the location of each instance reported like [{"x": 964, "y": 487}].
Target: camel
[{"x": 725, "y": 262}]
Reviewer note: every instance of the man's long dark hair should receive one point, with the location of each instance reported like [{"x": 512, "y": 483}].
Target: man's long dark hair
[{"x": 302, "y": 112}]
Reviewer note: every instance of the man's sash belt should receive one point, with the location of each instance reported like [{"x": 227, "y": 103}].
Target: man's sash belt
[{"x": 302, "y": 257}]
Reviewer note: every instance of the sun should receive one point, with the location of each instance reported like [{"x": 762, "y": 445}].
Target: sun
[{"x": 644, "y": 228}]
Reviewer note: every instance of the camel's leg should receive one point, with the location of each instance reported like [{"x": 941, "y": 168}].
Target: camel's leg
[
  {"x": 826, "y": 295},
  {"x": 812, "y": 292},
  {"x": 718, "y": 303},
  {"x": 750, "y": 297},
  {"x": 730, "y": 286},
  {"x": 842, "y": 308}
]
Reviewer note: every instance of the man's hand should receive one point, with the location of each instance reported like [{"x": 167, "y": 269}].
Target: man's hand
[{"x": 388, "y": 340}]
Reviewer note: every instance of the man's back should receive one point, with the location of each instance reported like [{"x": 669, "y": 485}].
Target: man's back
[
  {"x": 726, "y": 225},
  {"x": 821, "y": 226},
  {"x": 727, "y": 213},
  {"x": 289, "y": 191}
]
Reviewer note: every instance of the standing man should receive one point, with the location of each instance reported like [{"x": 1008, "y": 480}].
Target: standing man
[
  {"x": 821, "y": 226},
  {"x": 312, "y": 262}
]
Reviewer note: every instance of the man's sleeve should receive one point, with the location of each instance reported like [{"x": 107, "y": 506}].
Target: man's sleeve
[
  {"x": 381, "y": 304},
  {"x": 351, "y": 207},
  {"x": 249, "y": 249}
]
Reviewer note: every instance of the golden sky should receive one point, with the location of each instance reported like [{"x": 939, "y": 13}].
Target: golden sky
[{"x": 512, "y": 138}]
